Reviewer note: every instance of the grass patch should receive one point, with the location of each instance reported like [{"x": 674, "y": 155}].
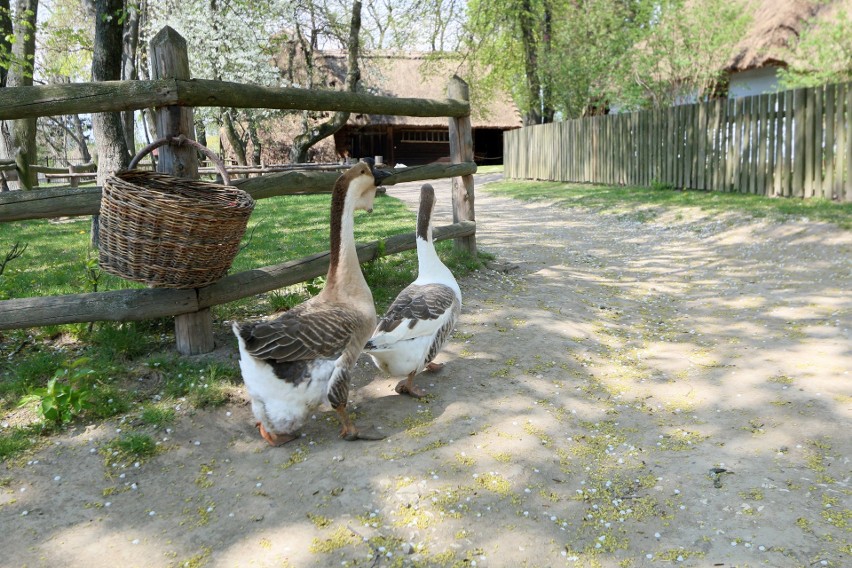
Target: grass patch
[
  {"x": 625, "y": 200},
  {"x": 16, "y": 440},
  {"x": 132, "y": 447}
]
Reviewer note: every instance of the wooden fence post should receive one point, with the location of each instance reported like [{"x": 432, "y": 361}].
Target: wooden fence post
[
  {"x": 170, "y": 60},
  {"x": 461, "y": 150}
]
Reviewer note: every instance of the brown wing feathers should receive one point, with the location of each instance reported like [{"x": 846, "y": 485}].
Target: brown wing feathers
[
  {"x": 417, "y": 303},
  {"x": 299, "y": 336}
]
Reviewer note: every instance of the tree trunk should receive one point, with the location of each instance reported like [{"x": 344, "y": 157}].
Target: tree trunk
[
  {"x": 106, "y": 66},
  {"x": 5, "y": 37},
  {"x": 130, "y": 42},
  {"x": 80, "y": 138},
  {"x": 19, "y": 136},
  {"x": 230, "y": 132},
  {"x": 256, "y": 145},
  {"x": 303, "y": 142}
]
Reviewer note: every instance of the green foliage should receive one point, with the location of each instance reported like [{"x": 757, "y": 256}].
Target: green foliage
[
  {"x": 120, "y": 341},
  {"x": 15, "y": 440},
  {"x": 822, "y": 54},
  {"x": 683, "y": 52},
  {"x": 129, "y": 447},
  {"x": 157, "y": 415},
  {"x": 593, "y": 44},
  {"x": 65, "y": 396}
]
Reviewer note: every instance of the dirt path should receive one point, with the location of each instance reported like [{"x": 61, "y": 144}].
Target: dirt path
[{"x": 634, "y": 392}]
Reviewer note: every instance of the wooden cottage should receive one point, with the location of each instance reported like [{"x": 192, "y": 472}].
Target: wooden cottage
[
  {"x": 775, "y": 28},
  {"x": 416, "y": 140}
]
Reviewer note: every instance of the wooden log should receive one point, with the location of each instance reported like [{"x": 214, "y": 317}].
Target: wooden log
[
  {"x": 116, "y": 305},
  {"x": 170, "y": 60},
  {"x": 149, "y": 303},
  {"x": 114, "y": 96},
  {"x": 461, "y": 150},
  {"x": 56, "y": 202}
]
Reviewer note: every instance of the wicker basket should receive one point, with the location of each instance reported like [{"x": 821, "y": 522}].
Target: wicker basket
[{"x": 170, "y": 232}]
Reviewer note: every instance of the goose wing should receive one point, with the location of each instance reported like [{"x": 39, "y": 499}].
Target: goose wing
[
  {"x": 302, "y": 334},
  {"x": 418, "y": 311}
]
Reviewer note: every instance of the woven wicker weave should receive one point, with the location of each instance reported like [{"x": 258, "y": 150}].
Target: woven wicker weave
[{"x": 170, "y": 232}]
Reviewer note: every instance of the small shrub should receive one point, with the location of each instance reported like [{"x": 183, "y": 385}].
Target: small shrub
[
  {"x": 129, "y": 447},
  {"x": 158, "y": 415},
  {"x": 65, "y": 396}
]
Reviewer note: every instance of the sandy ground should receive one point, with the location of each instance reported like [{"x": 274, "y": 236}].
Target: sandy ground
[{"x": 633, "y": 389}]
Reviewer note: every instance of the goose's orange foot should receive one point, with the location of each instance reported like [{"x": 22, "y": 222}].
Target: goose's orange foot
[
  {"x": 407, "y": 387},
  {"x": 434, "y": 367},
  {"x": 274, "y": 440},
  {"x": 352, "y": 433}
]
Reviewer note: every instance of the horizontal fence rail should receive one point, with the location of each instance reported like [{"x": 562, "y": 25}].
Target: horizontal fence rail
[
  {"x": 68, "y": 202},
  {"x": 115, "y": 96},
  {"x": 792, "y": 144},
  {"x": 148, "y": 303}
]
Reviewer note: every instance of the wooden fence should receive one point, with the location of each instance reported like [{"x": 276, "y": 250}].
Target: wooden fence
[
  {"x": 172, "y": 93},
  {"x": 791, "y": 144}
]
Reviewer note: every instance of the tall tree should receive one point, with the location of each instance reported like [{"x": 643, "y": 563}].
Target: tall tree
[
  {"x": 106, "y": 66},
  {"x": 594, "y": 40},
  {"x": 64, "y": 55},
  {"x": 5, "y": 40},
  {"x": 230, "y": 40},
  {"x": 313, "y": 133},
  {"x": 130, "y": 44},
  {"x": 684, "y": 51},
  {"x": 510, "y": 43},
  {"x": 18, "y": 137}
]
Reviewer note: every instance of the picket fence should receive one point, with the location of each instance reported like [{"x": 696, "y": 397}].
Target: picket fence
[{"x": 793, "y": 144}]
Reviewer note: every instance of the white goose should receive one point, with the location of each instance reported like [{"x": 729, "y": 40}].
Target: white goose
[
  {"x": 421, "y": 318},
  {"x": 293, "y": 363}
]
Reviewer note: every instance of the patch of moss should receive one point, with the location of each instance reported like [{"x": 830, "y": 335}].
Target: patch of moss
[{"x": 339, "y": 538}]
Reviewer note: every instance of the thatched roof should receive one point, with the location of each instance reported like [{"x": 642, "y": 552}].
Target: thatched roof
[
  {"x": 416, "y": 76},
  {"x": 775, "y": 28}
]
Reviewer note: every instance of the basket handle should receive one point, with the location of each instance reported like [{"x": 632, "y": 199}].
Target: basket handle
[{"x": 180, "y": 141}]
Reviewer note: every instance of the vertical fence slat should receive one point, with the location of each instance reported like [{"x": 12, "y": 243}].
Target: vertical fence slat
[
  {"x": 701, "y": 139},
  {"x": 809, "y": 147},
  {"x": 779, "y": 145},
  {"x": 745, "y": 146},
  {"x": 842, "y": 139},
  {"x": 733, "y": 140},
  {"x": 840, "y": 136},
  {"x": 771, "y": 121},
  {"x": 848, "y": 192},
  {"x": 819, "y": 99},
  {"x": 799, "y": 128},
  {"x": 787, "y": 168},
  {"x": 761, "y": 130},
  {"x": 724, "y": 142},
  {"x": 828, "y": 180}
]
